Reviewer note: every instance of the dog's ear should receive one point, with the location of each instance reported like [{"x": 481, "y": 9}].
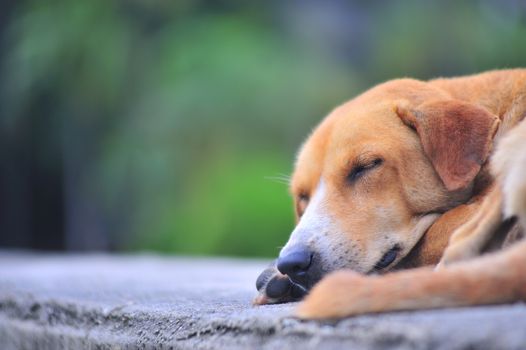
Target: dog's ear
[{"x": 456, "y": 137}]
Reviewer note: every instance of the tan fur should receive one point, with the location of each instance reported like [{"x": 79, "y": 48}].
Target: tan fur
[
  {"x": 389, "y": 205},
  {"x": 509, "y": 166}
]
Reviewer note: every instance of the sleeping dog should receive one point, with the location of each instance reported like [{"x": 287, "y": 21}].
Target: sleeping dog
[{"x": 410, "y": 174}]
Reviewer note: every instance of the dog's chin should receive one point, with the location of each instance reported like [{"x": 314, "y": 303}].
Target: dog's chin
[{"x": 393, "y": 254}]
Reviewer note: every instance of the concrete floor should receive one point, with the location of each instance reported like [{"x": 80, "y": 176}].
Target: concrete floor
[{"x": 128, "y": 302}]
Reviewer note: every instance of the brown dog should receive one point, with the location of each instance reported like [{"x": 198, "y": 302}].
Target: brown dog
[{"x": 388, "y": 178}]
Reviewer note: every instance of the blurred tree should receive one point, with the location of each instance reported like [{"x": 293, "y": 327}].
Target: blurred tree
[{"x": 155, "y": 125}]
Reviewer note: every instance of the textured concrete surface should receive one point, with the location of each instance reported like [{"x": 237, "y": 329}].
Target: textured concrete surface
[{"x": 128, "y": 302}]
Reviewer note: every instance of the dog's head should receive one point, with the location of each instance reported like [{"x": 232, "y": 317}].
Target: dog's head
[{"x": 377, "y": 172}]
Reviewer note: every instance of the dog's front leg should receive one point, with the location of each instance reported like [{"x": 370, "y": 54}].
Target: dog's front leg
[{"x": 492, "y": 279}]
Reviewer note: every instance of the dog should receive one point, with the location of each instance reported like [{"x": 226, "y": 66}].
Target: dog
[{"x": 410, "y": 174}]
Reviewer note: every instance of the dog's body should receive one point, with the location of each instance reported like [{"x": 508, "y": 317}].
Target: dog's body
[{"x": 395, "y": 176}]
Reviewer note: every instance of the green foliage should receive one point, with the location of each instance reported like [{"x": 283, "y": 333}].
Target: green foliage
[
  {"x": 172, "y": 115},
  {"x": 227, "y": 208}
]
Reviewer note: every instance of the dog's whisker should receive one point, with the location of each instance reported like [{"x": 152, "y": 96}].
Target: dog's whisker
[
  {"x": 281, "y": 176},
  {"x": 285, "y": 176},
  {"x": 278, "y": 179}
]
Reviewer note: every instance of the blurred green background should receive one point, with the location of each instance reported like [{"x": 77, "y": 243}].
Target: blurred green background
[{"x": 170, "y": 125}]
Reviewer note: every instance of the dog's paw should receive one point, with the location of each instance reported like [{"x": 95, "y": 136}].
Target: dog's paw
[
  {"x": 459, "y": 251},
  {"x": 274, "y": 287},
  {"x": 456, "y": 253},
  {"x": 469, "y": 240}
]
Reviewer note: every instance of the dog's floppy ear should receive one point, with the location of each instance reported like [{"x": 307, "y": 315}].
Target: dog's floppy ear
[{"x": 456, "y": 137}]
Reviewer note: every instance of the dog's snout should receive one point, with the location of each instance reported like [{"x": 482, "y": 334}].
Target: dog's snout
[{"x": 295, "y": 262}]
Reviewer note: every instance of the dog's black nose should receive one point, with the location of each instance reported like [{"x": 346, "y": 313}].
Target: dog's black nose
[{"x": 295, "y": 263}]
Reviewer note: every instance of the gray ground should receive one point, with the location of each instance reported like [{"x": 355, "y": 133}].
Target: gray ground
[{"x": 127, "y": 302}]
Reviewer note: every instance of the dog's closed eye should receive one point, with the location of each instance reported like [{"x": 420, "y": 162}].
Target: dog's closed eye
[
  {"x": 361, "y": 168},
  {"x": 301, "y": 203}
]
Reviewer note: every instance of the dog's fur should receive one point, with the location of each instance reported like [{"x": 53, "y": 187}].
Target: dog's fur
[{"x": 418, "y": 167}]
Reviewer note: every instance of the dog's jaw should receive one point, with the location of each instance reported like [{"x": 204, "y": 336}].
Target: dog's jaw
[{"x": 423, "y": 223}]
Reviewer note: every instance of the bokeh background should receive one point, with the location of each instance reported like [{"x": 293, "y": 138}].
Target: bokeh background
[{"x": 171, "y": 125}]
